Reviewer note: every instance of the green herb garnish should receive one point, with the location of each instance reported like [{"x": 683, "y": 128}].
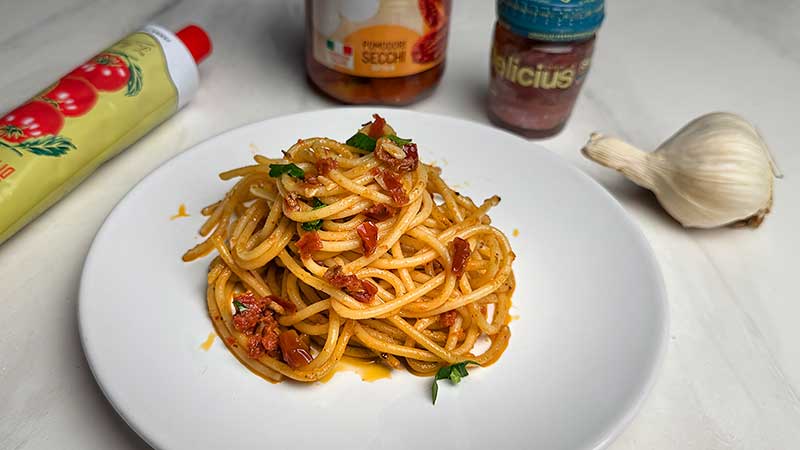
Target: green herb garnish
[
  {"x": 362, "y": 141},
  {"x": 398, "y": 140},
  {"x": 314, "y": 225},
  {"x": 455, "y": 373},
  {"x": 276, "y": 170},
  {"x": 239, "y": 306},
  {"x": 365, "y": 142}
]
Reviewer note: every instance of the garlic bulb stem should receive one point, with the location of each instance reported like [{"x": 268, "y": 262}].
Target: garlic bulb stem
[{"x": 621, "y": 156}]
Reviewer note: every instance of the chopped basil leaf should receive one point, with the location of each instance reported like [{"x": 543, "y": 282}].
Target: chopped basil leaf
[
  {"x": 239, "y": 306},
  {"x": 455, "y": 373},
  {"x": 444, "y": 373},
  {"x": 314, "y": 225},
  {"x": 276, "y": 170},
  {"x": 317, "y": 203},
  {"x": 461, "y": 369},
  {"x": 362, "y": 141},
  {"x": 398, "y": 140}
]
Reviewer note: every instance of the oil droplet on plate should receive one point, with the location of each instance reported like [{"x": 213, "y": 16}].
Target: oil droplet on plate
[
  {"x": 368, "y": 370},
  {"x": 206, "y": 345},
  {"x": 515, "y": 233},
  {"x": 181, "y": 212}
]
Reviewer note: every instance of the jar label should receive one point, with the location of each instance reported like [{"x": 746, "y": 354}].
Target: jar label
[
  {"x": 545, "y": 74},
  {"x": 380, "y": 38}
]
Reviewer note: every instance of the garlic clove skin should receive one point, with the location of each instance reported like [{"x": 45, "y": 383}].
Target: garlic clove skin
[{"x": 714, "y": 171}]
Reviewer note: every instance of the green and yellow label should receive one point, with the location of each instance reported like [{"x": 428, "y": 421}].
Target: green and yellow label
[{"x": 51, "y": 143}]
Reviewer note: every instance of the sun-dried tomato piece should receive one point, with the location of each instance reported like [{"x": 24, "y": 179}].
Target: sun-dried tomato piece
[
  {"x": 368, "y": 232},
  {"x": 325, "y": 165},
  {"x": 254, "y": 319},
  {"x": 254, "y": 348},
  {"x": 245, "y": 320},
  {"x": 339, "y": 279},
  {"x": 308, "y": 244},
  {"x": 361, "y": 290},
  {"x": 365, "y": 293},
  {"x": 269, "y": 339},
  {"x": 376, "y": 129},
  {"x": 461, "y": 252},
  {"x": 393, "y": 185},
  {"x": 248, "y": 317},
  {"x": 380, "y": 211},
  {"x": 294, "y": 350}
]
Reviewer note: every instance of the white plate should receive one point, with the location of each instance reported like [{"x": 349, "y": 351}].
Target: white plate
[{"x": 583, "y": 353}]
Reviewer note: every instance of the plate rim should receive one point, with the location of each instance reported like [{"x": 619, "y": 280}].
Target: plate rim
[{"x": 651, "y": 260}]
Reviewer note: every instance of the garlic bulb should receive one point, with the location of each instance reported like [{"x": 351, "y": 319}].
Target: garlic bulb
[{"x": 714, "y": 171}]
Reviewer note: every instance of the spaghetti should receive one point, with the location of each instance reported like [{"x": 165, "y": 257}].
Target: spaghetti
[{"x": 354, "y": 249}]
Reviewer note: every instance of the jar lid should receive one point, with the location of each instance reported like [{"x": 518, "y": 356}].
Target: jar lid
[{"x": 552, "y": 20}]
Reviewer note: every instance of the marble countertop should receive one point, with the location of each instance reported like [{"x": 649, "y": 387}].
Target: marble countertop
[{"x": 732, "y": 370}]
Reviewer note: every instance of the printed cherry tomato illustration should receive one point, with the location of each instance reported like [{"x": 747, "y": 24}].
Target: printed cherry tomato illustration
[
  {"x": 72, "y": 96},
  {"x": 31, "y": 120},
  {"x": 106, "y": 72}
]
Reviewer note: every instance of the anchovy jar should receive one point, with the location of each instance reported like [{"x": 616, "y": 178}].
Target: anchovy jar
[{"x": 540, "y": 57}]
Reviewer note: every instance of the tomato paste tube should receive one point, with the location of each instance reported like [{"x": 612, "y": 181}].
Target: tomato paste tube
[{"x": 56, "y": 139}]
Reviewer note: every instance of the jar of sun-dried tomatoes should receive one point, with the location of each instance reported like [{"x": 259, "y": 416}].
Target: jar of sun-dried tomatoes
[
  {"x": 541, "y": 55},
  {"x": 376, "y": 51}
]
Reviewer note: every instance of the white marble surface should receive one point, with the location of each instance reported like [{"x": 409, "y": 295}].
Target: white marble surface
[{"x": 732, "y": 371}]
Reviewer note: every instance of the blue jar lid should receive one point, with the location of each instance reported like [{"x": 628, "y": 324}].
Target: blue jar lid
[{"x": 552, "y": 20}]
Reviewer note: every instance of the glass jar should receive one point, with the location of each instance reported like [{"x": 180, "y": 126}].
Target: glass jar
[
  {"x": 540, "y": 58},
  {"x": 376, "y": 51}
]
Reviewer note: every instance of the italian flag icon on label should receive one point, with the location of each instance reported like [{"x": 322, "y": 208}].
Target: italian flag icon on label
[{"x": 339, "y": 54}]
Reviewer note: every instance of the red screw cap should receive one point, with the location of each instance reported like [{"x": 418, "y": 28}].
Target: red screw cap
[{"x": 196, "y": 40}]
